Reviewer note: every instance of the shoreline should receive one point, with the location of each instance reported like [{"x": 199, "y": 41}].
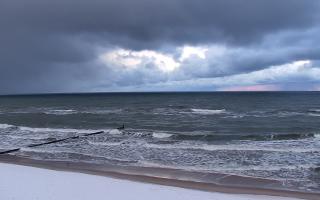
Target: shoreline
[{"x": 210, "y": 182}]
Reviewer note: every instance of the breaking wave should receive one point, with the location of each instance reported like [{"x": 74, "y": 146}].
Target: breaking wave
[
  {"x": 161, "y": 135},
  {"x": 219, "y": 137},
  {"x": 205, "y": 136},
  {"x": 5, "y": 126},
  {"x": 104, "y": 143},
  {"x": 60, "y": 112},
  {"x": 55, "y": 130},
  {"x": 114, "y": 132},
  {"x": 48, "y": 111},
  {"x": 232, "y": 147},
  {"x": 207, "y": 111},
  {"x": 59, "y": 155},
  {"x": 31, "y": 137}
]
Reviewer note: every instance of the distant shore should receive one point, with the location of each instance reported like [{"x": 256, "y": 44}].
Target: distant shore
[{"x": 213, "y": 182}]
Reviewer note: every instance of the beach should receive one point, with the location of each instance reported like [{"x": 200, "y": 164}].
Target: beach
[
  {"x": 35, "y": 183},
  {"x": 67, "y": 180}
]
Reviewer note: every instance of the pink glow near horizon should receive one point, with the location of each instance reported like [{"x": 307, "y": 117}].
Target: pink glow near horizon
[
  {"x": 253, "y": 88},
  {"x": 316, "y": 88}
]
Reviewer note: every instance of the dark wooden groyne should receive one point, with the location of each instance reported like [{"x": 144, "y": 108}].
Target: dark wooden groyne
[
  {"x": 9, "y": 151},
  {"x": 56, "y": 141},
  {"x": 64, "y": 139}
]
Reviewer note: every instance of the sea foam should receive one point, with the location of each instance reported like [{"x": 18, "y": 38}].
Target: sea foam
[
  {"x": 161, "y": 135},
  {"x": 5, "y": 126},
  {"x": 207, "y": 111}
]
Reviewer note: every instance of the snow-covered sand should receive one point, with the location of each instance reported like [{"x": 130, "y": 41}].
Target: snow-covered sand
[{"x": 29, "y": 183}]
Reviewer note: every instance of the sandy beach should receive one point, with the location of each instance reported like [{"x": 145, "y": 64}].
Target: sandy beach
[
  {"x": 36, "y": 172},
  {"x": 36, "y": 183}
]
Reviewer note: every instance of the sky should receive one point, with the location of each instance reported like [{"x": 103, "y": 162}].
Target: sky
[{"x": 159, "y": 45}]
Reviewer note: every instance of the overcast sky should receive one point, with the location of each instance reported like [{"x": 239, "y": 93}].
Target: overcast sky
[{"x": 159, "y": 45}]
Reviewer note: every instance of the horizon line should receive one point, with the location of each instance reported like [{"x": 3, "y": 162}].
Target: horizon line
[{"x": 127, "y": 92}]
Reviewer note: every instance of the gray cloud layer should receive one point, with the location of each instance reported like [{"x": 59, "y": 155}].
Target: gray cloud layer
[{"x": 51, "y": 46}]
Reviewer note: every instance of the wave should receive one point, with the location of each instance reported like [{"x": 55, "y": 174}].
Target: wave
[
  {"x": 161, "y": 135},
  {"x": 207, "y": 111},
  {"x": 60, "y": 112},
  {"x": 231, "y": 147},
  {"x": 71, "y": 112},
  {"x": 104, "y": 143},
  {"x": 52, "y": 130},
  {"x": 5, "y": 126},
  {"x": 76, "y": 155},
  {"x": 260, "y": 137},
  {"x": 147, "y": 133},
  {"x": 264, "y": 168},
  {"x": 289, "y": 136},
  {"x": 209, "y": 136},
  {"x": 32, "y": 137},
  {"x": 228, "y": 169},
  {"x": 49, "y": 111},
  {"x": 274, "y": 113},
  {"x": 202, "y": 136},
  {"x": 57, "y": 130},
  {"x": 114, "y": 132},
  {"x": 266, "y": 114}
]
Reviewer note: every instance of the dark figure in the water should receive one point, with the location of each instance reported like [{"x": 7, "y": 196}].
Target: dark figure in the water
[{"x": 121, "y": 127}]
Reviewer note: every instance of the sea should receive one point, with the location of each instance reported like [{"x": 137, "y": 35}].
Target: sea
[{"x": 273, "y": 135}]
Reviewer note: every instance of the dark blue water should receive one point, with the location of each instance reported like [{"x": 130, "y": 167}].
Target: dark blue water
[{"x": 272, "y": 134}]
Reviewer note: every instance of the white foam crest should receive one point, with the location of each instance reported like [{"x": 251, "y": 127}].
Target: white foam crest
[
  {"x": 288, "y": 114},
  {"x": 38, "y": 150},
  {"x": 53, "y": 151},
  {"x": 146, "y": 163},
  {"x": 208, "y": 112},
  {"x": 230, "y": 147},
  {"x": 66, "y": 111},
  {"x": 161, "y": 135},
  {"x": 246, "y": 148},
  {"x": 114, "y": 132},
  {"x": 61, "y": 112},
  {"x": 53, "y": 130},
  {"x": 32, "y": 137},
  {"x": 140, "y": 134},
  {"x": 60, "y": 130},
  {"x": 5, "y": 126},
  {"x": 104, "y": 143},
  {"x": 263, "y": 168}
]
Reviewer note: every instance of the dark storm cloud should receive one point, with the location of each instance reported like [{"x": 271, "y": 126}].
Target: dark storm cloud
[
  {"x": 147, "y": 21},
  {"x": 50, "y": 46}
]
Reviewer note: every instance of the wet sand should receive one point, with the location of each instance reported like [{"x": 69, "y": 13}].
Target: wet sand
[{"x": 214, "y": 182}]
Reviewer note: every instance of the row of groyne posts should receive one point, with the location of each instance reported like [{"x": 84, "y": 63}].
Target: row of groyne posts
[{"x": 56, "y": 141}]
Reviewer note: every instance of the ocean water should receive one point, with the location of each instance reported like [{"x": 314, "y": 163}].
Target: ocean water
[{"x": 261, "y": 134}]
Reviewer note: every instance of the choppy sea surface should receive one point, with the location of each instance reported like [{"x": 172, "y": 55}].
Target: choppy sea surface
[{"x": 261, "y": 134}]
